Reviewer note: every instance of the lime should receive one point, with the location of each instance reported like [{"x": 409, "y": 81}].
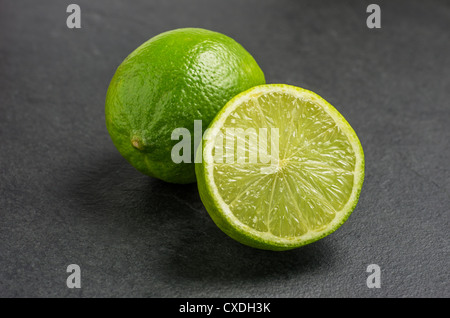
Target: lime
[
  {"x": 306, "y": 190},
  {"x": 168, "y": 82}
]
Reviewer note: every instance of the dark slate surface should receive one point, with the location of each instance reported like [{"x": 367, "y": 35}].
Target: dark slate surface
[{"x": 68, "y": 197}]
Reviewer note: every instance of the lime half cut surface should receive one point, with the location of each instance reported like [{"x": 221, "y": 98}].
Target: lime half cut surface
[{"x": 281, "y": 168}]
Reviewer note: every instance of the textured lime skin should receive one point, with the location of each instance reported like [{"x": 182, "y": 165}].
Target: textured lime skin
[
  {"x": 168, "y": 82},
  {"x": 228, "y": 225}
]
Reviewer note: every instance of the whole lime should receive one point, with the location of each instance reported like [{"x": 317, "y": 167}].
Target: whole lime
[{"x": 168, "y": 82}]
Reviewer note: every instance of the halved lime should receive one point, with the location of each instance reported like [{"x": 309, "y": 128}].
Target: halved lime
[{"x": 281, "y": 168}]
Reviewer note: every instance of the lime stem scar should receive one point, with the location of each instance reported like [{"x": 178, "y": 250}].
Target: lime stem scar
[{"x": 137, "y": 143}]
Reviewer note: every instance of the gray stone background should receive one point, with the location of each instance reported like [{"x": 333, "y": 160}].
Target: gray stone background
[{"x": 68, "y": 197}]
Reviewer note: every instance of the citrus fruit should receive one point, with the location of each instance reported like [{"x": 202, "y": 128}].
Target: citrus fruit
[
  {"x": 307, "y": 189},
  {"x": 168, "y": 82}
]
